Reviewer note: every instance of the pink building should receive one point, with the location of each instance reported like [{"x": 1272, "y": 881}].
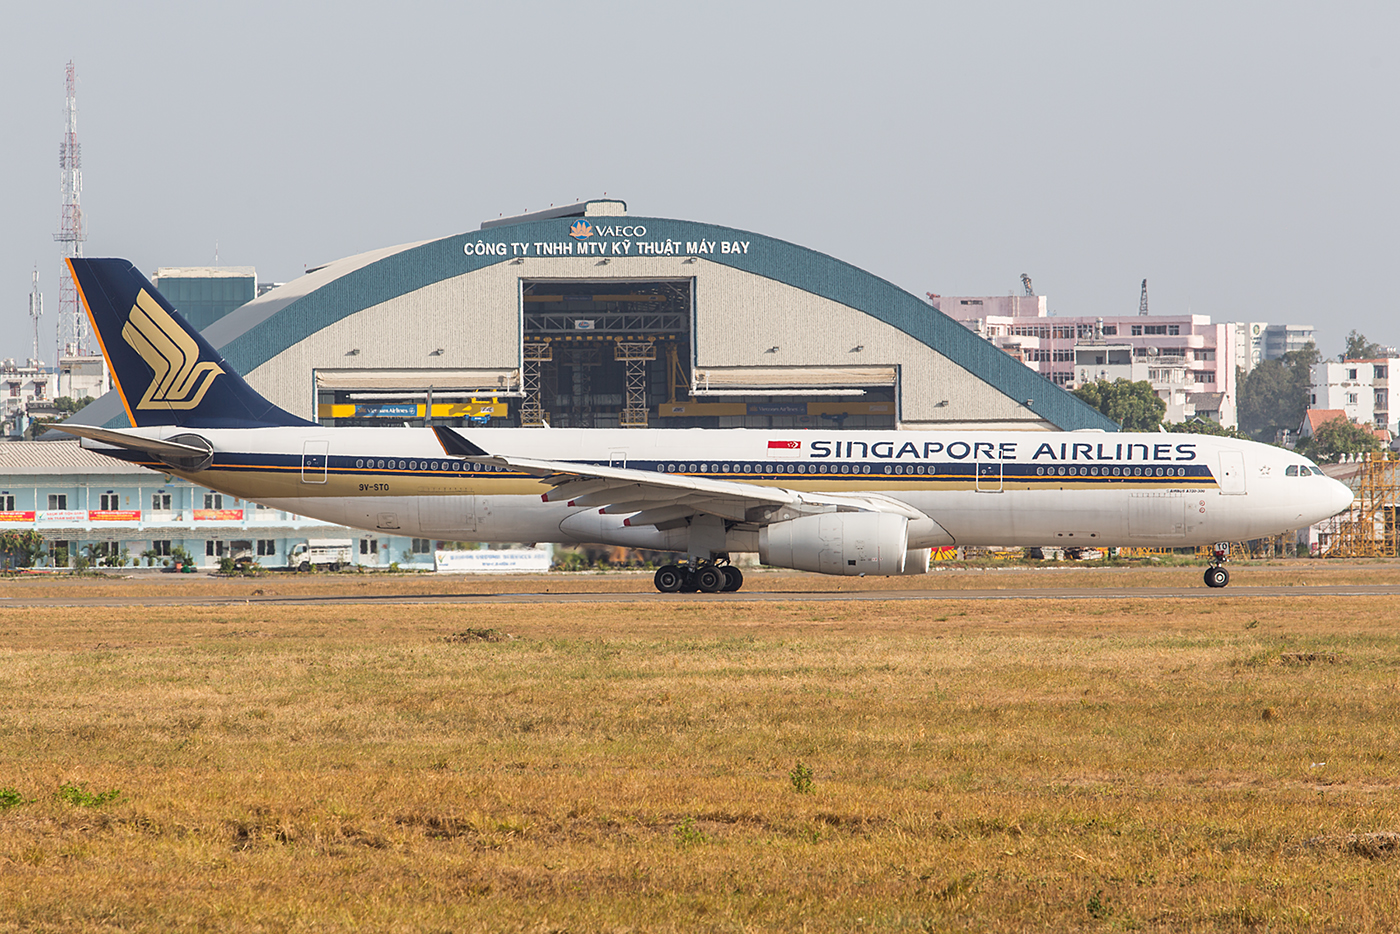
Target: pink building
[{"x": 1189, "y": 361}]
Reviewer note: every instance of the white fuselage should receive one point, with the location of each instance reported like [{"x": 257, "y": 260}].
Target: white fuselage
[{"x": 977, "y": 488}]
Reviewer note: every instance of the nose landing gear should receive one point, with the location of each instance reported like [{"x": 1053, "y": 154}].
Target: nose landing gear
[
  {"x": 706, "y": 577},
  {"x": 1216, "y": 575}
]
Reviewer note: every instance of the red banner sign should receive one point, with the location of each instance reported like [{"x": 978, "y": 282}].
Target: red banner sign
[
  {"x": 224, "y": 515},
  {"x": 114, "y": 515}
]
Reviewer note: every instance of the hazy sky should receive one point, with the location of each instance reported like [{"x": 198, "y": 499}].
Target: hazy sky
[{"x": 1241, "y": 157}]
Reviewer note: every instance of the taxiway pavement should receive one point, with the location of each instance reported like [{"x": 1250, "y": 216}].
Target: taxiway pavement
[{"x": 1198, "y": 592}]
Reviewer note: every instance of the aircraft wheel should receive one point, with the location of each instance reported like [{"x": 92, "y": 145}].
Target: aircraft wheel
[
  {"x": 669, "y": 578},
  {"x": 689, "y": 585},
  {"x": 710, "y": 579},
  {"x": 733, "y": 578},
  {"x": 1217, "y": 577}
]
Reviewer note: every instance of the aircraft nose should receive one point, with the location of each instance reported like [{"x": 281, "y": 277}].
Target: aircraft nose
[{"x": 1339, "y": 498}]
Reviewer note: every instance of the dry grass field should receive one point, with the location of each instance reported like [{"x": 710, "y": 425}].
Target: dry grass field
[{"x": 1120, "y": 764}]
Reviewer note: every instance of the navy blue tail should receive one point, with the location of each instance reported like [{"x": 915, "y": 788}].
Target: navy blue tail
[{"x": 165, "y": 372}]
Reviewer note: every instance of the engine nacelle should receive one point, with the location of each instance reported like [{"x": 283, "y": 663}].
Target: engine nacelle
[
  {"x": 838, "y": 543},
  {"x": 916, "y": 560}
]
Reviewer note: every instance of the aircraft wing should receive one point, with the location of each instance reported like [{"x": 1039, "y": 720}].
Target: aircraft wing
[{"x": 668, "y": 500}]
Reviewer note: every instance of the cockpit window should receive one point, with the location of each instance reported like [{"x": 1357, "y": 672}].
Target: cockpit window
[{"x": 1292, "y": 470}]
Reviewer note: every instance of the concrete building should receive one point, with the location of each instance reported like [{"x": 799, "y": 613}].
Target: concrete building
[
  {"x": 587, "y": 316},
  {"x": 1249, "y": 343},
  {"x": 1189, "y": 361},
  {"x": 28, "y": 394},
  {"x": 1280, "y": 339},
  {"x": 204, "y": 294},
  {"x": 77, "y": 498},
  {"x": 83, "y": 376},
  {"x": 1363, "y": 390}
]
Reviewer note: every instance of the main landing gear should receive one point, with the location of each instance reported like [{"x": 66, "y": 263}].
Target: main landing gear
[
  {"x": 706, "y": 577},
  {"x": 1216, "y": 575}
]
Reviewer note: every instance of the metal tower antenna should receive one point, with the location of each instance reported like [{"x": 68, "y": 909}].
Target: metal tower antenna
[
  {"x": 72, "y": 323},
  {"x": 1142, "y": 305},
  {"x": 36, "y": 311}
]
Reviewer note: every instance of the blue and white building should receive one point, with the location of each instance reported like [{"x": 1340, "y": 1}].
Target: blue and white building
[{"x": 83, "y": 503}]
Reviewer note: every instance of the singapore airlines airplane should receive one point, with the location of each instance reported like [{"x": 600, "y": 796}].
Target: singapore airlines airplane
[{"x": 833, "y": 502}]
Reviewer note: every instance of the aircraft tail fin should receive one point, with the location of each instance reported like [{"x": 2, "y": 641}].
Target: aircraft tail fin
[{"x": 165, "y": 372}]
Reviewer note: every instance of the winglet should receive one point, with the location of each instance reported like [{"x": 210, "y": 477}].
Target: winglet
[{"x": 455, "y": 445}]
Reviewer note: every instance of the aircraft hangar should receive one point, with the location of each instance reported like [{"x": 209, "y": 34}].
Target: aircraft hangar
[{"x": 587, "y": 316}]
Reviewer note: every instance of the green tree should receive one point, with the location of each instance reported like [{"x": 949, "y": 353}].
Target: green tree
[
  {"x": 22, "y": 547},
  {"x": 1335, "y": 438},
  {"x": 1134, "y": 406},
  {"x": 1202, "y": 426},
  {"x": 66, "y": 406},
  {"x": 1274, "y": 395},
  {"x": 1359, "y": 348}
]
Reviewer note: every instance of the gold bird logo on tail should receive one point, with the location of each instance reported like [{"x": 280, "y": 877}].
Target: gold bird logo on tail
[{"x": 180, "y": 380}]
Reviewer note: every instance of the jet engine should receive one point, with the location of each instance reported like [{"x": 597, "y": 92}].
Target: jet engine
[
  {"x": 837, "y": 543},
  {"x": 916, "y": 560}
]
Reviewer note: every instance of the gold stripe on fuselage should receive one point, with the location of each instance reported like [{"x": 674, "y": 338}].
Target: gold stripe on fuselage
[{"x": 263, "y": 482}]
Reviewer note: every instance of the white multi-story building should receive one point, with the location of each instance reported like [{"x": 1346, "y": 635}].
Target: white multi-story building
[
  {"x": 1363, "y": 389},
  {"x": 25, "y": 387},
  {"x": 1189, "y": 361},
  {"x": 1280, "y": 339},
  {"x": 1249, "y": 343},
  {"x": 83, "y": 376}
]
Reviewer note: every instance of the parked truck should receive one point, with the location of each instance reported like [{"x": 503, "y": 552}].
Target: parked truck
[{"x": 330, "y": 553}]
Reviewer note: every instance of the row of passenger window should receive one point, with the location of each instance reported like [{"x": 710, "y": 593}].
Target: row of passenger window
[
  {"x": 782, "y": 469},
  {"x": 897, "y": 469},
  {"x": 774, "y": 469},
  {"x": 391, "y": 464},
  {"x": 1110, "y": 472}
]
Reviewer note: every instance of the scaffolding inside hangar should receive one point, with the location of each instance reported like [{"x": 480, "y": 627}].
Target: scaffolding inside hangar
[
  {"x": 1369, "y": 529},
  {"x": 587, "y": 346}
]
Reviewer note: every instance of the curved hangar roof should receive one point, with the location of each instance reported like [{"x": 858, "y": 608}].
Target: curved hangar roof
[{"x": 761, "y": 307}]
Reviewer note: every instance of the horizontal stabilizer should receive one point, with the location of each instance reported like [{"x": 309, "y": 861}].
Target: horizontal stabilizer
[{"x": 121, "y": 439}]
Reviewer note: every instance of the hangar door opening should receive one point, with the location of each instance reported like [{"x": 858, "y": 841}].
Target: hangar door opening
[{"x": 602, "y": 353}]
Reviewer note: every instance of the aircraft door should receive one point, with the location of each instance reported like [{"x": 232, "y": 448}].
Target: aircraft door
[
  {"x": 313, "y": 461},
  {"x": 1232, "y": 472},
  {"x": 1156, "y": 516},
  {"x": 617, "y": 459},
  {"x": 989, "y": 474},
  {"x": 446, "y": 515}
]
